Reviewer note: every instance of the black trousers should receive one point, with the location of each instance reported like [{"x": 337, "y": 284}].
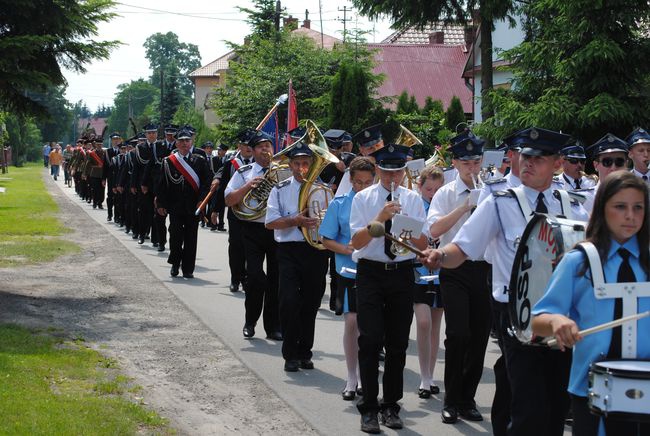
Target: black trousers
[
  {"x": 262, "y": 287},
  {"x": 539, "y": 378},
  {"x": 183, "y": 231},
  {"x": 384, "y": 315},
  {"x": 302, "y": 269},
  {"x": 145, "y": 212},
  {"x": 236, "y": 251},
  {"x": 131, "y": 211},
  {"x": 500, "y": 412},
  {"x": 118, "y": 207},
  {"x": 110, "y": 200},
  {"x": 158, "y": 227},
  {"x": 586, "y": 424},
  {"x": 97, "y": 190},
  {"x": 466, "y": 300}
]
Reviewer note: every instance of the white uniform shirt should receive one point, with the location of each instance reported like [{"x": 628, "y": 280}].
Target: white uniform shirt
[
  {"x": 641, "y": 175},
  {"x": 509, "y": 181},
  {"x": 445, "y": 200},
  {"x": 570, "y": 183},
  {"x": 283, "y": 202},
  {"x": 367, "y": 204},
  {"x": 241, "y": 177},
  {"x": 493, "y": 231}
]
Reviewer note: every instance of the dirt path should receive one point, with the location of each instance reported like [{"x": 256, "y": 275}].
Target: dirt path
[{"x": 107, "y": 296}]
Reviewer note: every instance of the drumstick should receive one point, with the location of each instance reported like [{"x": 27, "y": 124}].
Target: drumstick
[
  {"x": 605, "y": 326},
  {"x": 204, "y": 202},
  {"x": 377, "y": 230}
]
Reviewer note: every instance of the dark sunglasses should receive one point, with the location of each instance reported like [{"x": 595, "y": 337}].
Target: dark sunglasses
[
  {"x": 608, "y": 161},
  {"x": 574, "y": 161}
]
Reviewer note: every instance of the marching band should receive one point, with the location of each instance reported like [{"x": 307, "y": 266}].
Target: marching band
[{"x": 542, "y": 251}]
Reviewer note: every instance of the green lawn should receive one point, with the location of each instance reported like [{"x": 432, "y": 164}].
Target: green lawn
[
  {"x": 50, "y": 385},
  {"x": 29, "y": 229}
]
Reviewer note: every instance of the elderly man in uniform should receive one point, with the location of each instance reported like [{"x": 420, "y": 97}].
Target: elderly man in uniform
[
  {"x": 638, "y": 143},
  {"x": 262, "y": 288},
  {"x": 184, "y": 182},
  {"x": 538, "y": 376},
  {"x": 385, "y": 287},
  {"x": 302, "y": 267}
]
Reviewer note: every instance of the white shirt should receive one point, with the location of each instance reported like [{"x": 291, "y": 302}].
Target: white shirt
[
  {"x": 243, "y": 176},
  {"x": 446, "y": 199},
  {"x": 509, "y": 181},
  {"x": 283, "y": 202},
  {"x": 641, "y": 175},
  {"x": 570, "y": 183},
  {"x": 365, "y": 208},
  {"x": 493, "y": 231}
]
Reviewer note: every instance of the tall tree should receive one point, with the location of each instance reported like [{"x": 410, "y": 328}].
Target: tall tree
[
  {"x": 56, "y": 123},
  {"x": 455, "y": 115},
  {"x": 422, "y": 12},
  {"x": 263, "y": 18},
  {"x": 131, "y": 100},
  {"x": 578, "y": 70},
  {"x": 38, "y": 37},
  {"x": 166, "y": 53}
]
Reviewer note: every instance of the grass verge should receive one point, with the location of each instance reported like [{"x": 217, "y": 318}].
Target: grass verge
[
  {"x": 50, "y": 385},
  {"x": 29, "y": 228}
]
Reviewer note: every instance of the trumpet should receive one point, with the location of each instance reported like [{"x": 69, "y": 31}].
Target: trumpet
[{"x": 397, "y": 248}]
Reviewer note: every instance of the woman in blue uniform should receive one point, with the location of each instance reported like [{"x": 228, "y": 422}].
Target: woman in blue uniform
[
  {"x": 619, "y": 230},
  {"x": 335, "y": 230}
]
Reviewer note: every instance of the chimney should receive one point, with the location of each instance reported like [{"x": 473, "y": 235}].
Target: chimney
[
  {"x": 469, "y": 37},
  {"x": 290, "y": 23},
  {"x": 307, "y": 23},
  {"x": 437, "y": 37}
]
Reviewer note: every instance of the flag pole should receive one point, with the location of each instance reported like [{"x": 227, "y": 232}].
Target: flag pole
[{"x": 281, "y": 100}]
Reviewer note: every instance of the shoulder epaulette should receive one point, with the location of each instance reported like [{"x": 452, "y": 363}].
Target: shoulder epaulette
[
  {"x": 498, "y": 194},
  {"x": 495, "y": 181},
  {"x": 283, "y": 183},
  {"x": 200, "y": 156},
  {"x": 575, "y": 197},
  {"x": 245, "y": 168}
]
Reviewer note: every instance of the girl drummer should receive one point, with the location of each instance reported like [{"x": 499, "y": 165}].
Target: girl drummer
[{"x": 619, "y": 229}]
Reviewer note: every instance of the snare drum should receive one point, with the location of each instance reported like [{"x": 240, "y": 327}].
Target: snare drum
[
  {"x": 620, "y": 389},
  {"x": 545, "y": 239}
]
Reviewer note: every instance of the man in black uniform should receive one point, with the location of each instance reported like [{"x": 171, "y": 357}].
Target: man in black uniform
[
  {"x": 151, "y": 179},
  {"x": 185, "y": 181},
  {"x": 236, "y": 256},
  {"x": 112, "y": 151},
  {"x": 94, "y": 172},
  {"x": 143, "y": 154},
  {"x": 117, "y": 163},
  {"x": 170, "y": 142},
  {"x": 218, "y": 207},
  {"x": 125, "y": 185}
]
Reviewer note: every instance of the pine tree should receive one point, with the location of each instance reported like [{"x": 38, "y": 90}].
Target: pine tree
[
  {"x": 403, "y": 105},
  {"x": 455, "y": 114}
]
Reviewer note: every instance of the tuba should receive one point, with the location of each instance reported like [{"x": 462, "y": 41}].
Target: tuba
[
  {"x": 314, "y": 196},
  {"x": 253, "y": 205}
]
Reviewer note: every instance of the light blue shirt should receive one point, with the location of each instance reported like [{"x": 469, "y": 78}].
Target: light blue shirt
[
  {"x": 572, "y": 294},
  {"x": 336, "y": 226}
]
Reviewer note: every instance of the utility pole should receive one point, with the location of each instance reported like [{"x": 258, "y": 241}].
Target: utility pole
[
  {"x": 345, "y": 19},
  {"x": 320, "y": 13},
  {"x": 278, "y": 11}
]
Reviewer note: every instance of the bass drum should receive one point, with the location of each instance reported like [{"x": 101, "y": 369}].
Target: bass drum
[{"x": 545, "y": 239}]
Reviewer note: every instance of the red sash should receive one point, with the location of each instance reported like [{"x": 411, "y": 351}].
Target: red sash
[
  {"x": 186, "y": 170},
  {"x": 99, "y": 160}
]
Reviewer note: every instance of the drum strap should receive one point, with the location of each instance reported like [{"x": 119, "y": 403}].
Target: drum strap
[
  {"x": 523, "y": 203},
  {"x": 565, "y": 203},
  {"x": 629, "y": 292}
]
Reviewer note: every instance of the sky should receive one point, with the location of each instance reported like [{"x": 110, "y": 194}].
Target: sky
[{"x": 208, "y": 24}]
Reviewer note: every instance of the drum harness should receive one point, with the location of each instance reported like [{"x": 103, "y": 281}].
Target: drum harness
[{"x": 629, "y": 292}]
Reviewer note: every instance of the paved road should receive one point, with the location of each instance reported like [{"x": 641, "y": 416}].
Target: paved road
[{"x": 315, "y": 394}]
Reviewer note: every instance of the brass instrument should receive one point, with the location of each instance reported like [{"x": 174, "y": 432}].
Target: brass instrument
[
  {"x": 408, "y": 139},
  {"x": 314, "y": 196},
  {"x": 253, "y": 205},
  {"x": 396, "y": 248}
]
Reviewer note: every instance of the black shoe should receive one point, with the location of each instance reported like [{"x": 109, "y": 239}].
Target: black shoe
[
  {"x": 155, "y": 245},
  {"x": 222, "y": 229},
  {"x": 146, "y": 236},
  {"x": 391, "y": 419},
  {"x": 471, "y": 414},
  {"x": 348, "y": 395},
  {"x": 141, "y": 241},
  {"x": 99, "y": 206},
  {"x": 435, "y": 390},
  {"x": 213, "y": 229},
  {"x": 94, "y": 206},
  {"x": 127, "y": 230},
  {"x": 360, "y": 391},
  {"x": 188, "y": 275},
  {"x": 249, "y": 331},
  {"x": 202, "y": 224},
  {"x": 291, "y": 365},
  {"x": 234, "y": 287},
  {"x": 161, "y": 247},
  {"x": 369, "y": 423},
  {"x": 274, "y": 336},
  {"x": 109, "y": 219},
  {"x": 174, "y": 271},
  {"x": 424, "y": 393},
  {"x": 134, "y": 236},
  {"x": 306, "y": 364},
  {"x": 449, "y": 415}
]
